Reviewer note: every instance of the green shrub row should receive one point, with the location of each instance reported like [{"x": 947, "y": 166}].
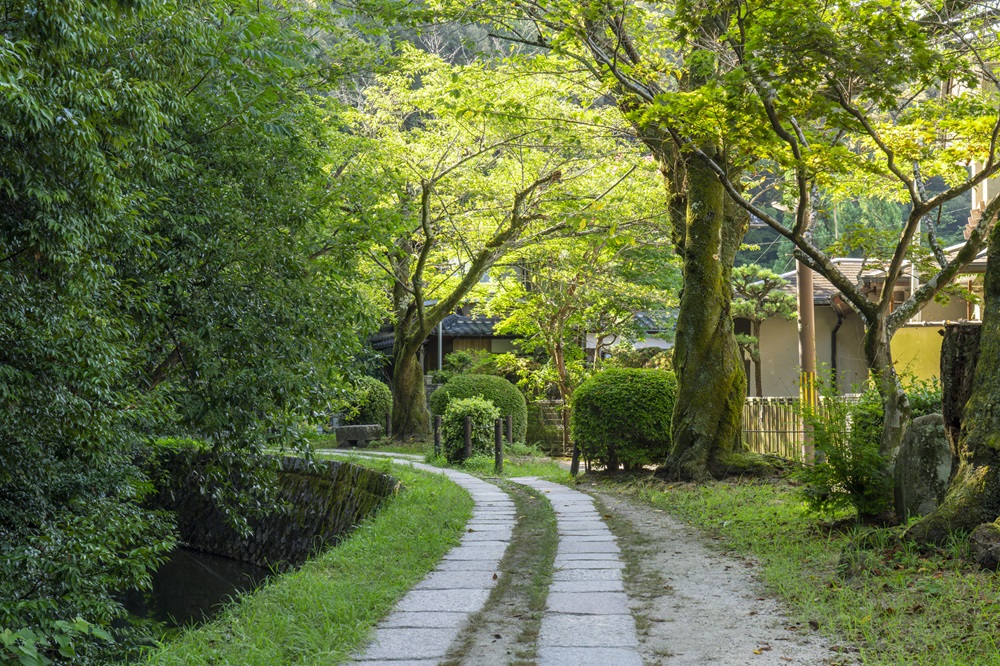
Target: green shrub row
[
  {"x": 622, "y": 416},
  {"x": 505, "y": 397}
]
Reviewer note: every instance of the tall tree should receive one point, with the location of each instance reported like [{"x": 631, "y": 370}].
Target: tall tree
[
  {"x": 640, "y": 54},
  {"x": 478, "y": 161},
  {"x": 759, "y": 298},
  {"x": 837, "y": 98},
  {"x": 570, "y": 287},
  {"x": 973, "y": 498}
]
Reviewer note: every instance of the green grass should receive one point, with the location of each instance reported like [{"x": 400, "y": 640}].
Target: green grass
[
  {"x": 417, "y": 446},
  {"x": 513, "y": 466},
  {"x": 897, "y": 604},
  {"x": 325, "y": 611}
]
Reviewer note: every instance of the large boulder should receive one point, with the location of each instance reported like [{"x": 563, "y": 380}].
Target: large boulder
[
  {"x": 985, "y": 544},
  {"x": 357, "y": 435},
  {"x": 922, "y": 467}
]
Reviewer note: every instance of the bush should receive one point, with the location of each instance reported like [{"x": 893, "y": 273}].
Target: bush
[
  {"x": 624, "y": 356},
  {"x": 849, "y": 471},
  {"x": 371, "y": 403},
  {"x": 484, "y": 415},
  {"x": 623, "y": 415},
  {"x": 925, "y": 396},
  {"x": 504, "y": 396}
]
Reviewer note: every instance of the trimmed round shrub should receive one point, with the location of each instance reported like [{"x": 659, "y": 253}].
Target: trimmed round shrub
[
  {"x": 484, "y": 415},
  {"x": 622, "y": 415},
  {"x": 372, "y": 402},
  {"x": 504, "y": 396}
]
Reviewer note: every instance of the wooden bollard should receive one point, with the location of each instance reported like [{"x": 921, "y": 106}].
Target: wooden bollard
[
  {"x": 510, "y": 429},
  {"x": 437, "y": 435},
  {"x": 574, "y": 466},
  {"x": 468, "y": 438},
  {"x": 498, "y": 447},
  {"x": 388, "y": 425}
]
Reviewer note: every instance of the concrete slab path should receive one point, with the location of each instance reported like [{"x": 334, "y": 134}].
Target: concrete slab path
[
  {"x": 430, "y": 617},
  {"x": 587, "y": 619}
]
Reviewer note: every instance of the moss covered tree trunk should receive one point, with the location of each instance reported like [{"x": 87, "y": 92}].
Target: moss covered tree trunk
[
  {"x": 711, "y": 383},
  {"x": 409, "y": 399},
  {"x": 973, "y": 497}
]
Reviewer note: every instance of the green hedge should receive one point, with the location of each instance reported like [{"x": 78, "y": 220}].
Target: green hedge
[
  {"x": 484, "y": 415},
  {"x": 371, "y": 403},
  {"x": 623, "y": 416},
  {"x": 504, "y": 395}
]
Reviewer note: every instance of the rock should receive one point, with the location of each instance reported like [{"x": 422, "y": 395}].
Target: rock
[
  {"x": 922, "y": 467},
  {"x": 357, "y": 435},
  {"x": 985, "y": 543}
]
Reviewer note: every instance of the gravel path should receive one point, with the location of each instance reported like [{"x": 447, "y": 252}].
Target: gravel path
[
  {"x": 698, "y": 606},
  {"x": 682, "y": 601}
]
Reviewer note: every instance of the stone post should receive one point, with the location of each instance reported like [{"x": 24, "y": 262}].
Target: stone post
[
  {"x": 510, "y": 429},
  {"x": 437, "y": 435},
  {"x": 468, "y": 438},
  {"x": 498, "y": 447}
]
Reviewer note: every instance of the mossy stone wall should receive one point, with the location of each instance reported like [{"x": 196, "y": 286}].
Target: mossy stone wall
[{"x": 322, "y": 501}]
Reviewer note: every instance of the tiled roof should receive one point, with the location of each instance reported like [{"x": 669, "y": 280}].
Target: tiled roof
[
  {"x": 857, "y": 270},
  {"x": 823, "y": 289},
  {"x": 657, "y": 321},
  {"x": 467, "y": 326}
]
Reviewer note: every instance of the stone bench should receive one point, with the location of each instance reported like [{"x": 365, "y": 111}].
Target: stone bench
[{"x": 357, "y": 435}]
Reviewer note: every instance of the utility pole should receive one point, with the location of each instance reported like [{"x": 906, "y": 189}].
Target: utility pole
[{"x": 807, "y": 352}]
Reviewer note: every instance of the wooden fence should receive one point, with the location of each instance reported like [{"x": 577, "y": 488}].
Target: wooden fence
[
  {"x": 770, "y": 425},
  {"x": 774, "y": 425}
]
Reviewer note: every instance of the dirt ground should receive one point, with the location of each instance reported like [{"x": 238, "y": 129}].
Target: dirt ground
[{"x": 695, "y": 605}]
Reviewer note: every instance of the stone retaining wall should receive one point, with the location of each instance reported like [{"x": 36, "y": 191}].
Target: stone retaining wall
[{"x": 322, "y": 501}]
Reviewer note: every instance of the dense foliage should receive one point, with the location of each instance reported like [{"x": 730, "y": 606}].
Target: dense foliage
[
  {"x": 622, "y": 415},
  {"x": 504, "y": 395},
  {"x": 483, "y": 415},
  {"x": 165, "y": 196},
  {"x": 371, "y": 402},
  {"x": 850, "y": 471}
]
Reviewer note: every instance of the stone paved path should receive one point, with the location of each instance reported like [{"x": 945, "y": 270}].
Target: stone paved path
[
  {"x": 429, "y": 618},
  {"x": 587, "y": 620}
]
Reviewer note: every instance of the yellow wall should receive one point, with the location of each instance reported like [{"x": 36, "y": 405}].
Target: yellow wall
[{"x": 917, "y": 350}]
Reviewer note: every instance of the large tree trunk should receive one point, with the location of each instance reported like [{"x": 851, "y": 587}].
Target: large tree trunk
[
  {"x": 711, "y": 383},
  {"x": 410, "y": 417},
  {"x": 974, "y": 493}
]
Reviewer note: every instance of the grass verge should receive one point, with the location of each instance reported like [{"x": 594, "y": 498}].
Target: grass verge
[
  {"x": 386, "y": 444},
  {"x": 513, "y": 466},
  {"x": 898, "y": 604},
  {"x": 324, "y": 612}
]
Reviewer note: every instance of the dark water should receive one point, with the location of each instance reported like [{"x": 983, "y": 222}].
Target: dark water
[{"x": 191, "y": 586}]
